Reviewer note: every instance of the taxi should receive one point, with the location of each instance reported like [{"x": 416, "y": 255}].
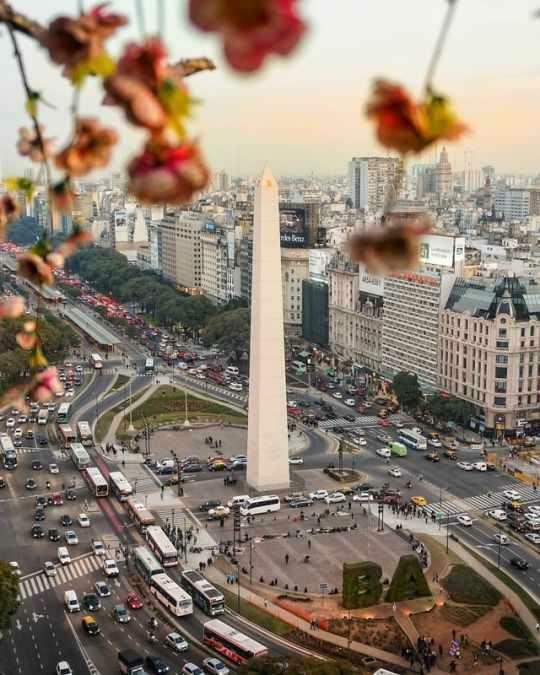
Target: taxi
[
  {"x": 90, "y": 625},
  {"x": 419, "y": 501}
]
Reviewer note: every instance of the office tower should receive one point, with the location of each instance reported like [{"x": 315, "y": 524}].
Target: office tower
[
  {"x": 371, "y": 181},
  {"x": 267, "y": 447},
  {"x": 443, "y": 174}
]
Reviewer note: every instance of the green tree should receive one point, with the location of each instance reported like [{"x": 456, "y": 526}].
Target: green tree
[
  {"x": 24, "y": 231},
  {"x": 407, "y": 390},
  {"x": 229, "y": 331},
  {"x": 450, "y": 408},
  {"x": 278, "y": 665},
  {"x": 9, "y": 590}
]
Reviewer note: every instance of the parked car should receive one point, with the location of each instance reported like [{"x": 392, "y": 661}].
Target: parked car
[
  {"x": 318, "y": 495},
  {"x": 335, "y": 498}
]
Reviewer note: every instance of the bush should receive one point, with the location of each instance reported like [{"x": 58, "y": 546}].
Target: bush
[
  {"x": 515, "y": 626},
  {"x": 517, "y": 649},
  {"x": 408, "y": 581},
  {"x": 468, "y": 587}
]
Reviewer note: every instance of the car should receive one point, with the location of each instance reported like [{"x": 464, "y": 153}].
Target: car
[
  {"x": 209, "y": 504},
  {"x": 533, "y": 537},
  {"x": 17, "y": 443},
  {"x": 63, "y": 555},
  {"x": 191, "y": 669},
  {"x": 383, "y": 452},
  {"x": 71, "y": 495},
  {"x": 71, "y": 538},
  {"x": 37, "y": 465},
  {"x": 110, "y": 568},
  {"x": 66, "y": 520},
  {"x": 300, "y": 503},
  {"x": 53, "y": 468},
  {"x": 432, "y": 457},
  {"x": 465, "y": 520},
  {"x": 395, "y": 472},
  {"x": 121, "y": 614},
  {"x": 2, "y": 483},
  {"x": 98, "y": 548},
  {"x": 361, "y": 441},
  {"x": 63, "y": 668},
  {"x": 465, "y": 466},
  {"x": 22, "y": 419},
  {"x": 133, "y": 601},
  {"x": 29, "y": 434},
  {"x": 156, "y": 665},
  {"x": 42, "y": 440},
  {"x": 10, "y": 423},
  {"x": 30, "y": 484},
  {"x": 296, "y": 460},
  {"x": 41, "y": 502},
  {"x": 69, "y": 393},
  {"x": 435, "y": 443},
  {"x": 219, "y": 512},
  {"x": 91, "y": 602},
  {"x": 37, "y": 532},
  {"x": 176, "y": 642},
  {"x": 479, "y": 466},
  {"x": 214, "y": 666},
  {"x": 318, "y": 495},
  {"x": 338, "y": 395},
  {"x": 519, "y": 563},
  {"x": 55, "y": 499},
  {"x": 497, "y": 514},
  {"x": 512, "y": 495},
  {"x": 102, "y": 589},
  {"x": 53, "y": 535},
  {"x": 501, "y": 539},
  {"x": 534, "y": 508},
  {"x": 235, "y": 386},
  {"x": 49, "y": 569},
  {"x": 90, "y": 625},
  {"x": 350, "y": 402},
  {"x": 362, "y": 497},
  {"x": 335, "y": 498},
  {"x": 419, "y": 500},
  {"x": 39, "y": 514},
  {"x": 15, "y": 569},
  {"x": 84, "y": 520},
  {"x": 398, "y": 424},
  {"x": 79, "y": 369},
  {"x": 18, "y": 433}
]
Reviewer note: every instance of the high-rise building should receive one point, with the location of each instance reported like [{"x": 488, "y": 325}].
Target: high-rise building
[
  {"x": 443, "y": 174},
  {"x": 294, "y": 269},
  {"x": 222, "y": 182},
  {"x": 512, "y": 203},
  {"x": 371, "y": 181},
  {"x": 181, "y": 248},
  {"x": 315, "y": 312},
  {"x": 214, "y": 266}
]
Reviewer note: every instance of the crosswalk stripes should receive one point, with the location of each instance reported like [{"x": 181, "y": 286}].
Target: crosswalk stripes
[
  {"x": 40, "y": 582},
  {"x": 363, "y": 421},
  {"x": 176, "y": 516}
]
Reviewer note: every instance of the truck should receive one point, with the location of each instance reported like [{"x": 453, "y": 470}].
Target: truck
[{"x": 131, "y": 663}]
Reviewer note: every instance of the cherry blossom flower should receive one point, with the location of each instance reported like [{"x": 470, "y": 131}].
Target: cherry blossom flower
[
  {"x": 29, "y": 145},
  {"x": 251, "y": 30},
  {"x": 11, "y": 307},
  {"x": 63, "y": 196},
  {"x": 27, "y": 338},
  {"x": 407, "y": 126},
  {"x": 78, "y": 238},
  {"x": 34, "y": 268},
  {"x": 140, "y": 105},
  {"x": 168, "y": 174},
  {"x": 146, "y": 62},
  {"x": 45, "y": 385},
  {"x": 90, "y": 149},
  {"x": 393, "y": 248},
  {"x": 9, "y": 211}
]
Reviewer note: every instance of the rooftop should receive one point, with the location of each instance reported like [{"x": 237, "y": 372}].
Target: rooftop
[
  {"x": 518, "y": 297},
  {"x": 90, "y": 326}
]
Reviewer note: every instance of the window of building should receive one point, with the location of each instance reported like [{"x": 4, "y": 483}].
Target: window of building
[
  {"x": 500, "y": 401},
  {"x": 502, "y": 332},
  {"x": 502, "y": 344},
  {"x": 532, "y": 331},
  {"x": 501, "y": 373},
  {"x": 501, "y": 358},
  {"x": 523, "y": 332}
]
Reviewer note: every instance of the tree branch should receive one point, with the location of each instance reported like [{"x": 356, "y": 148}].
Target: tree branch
[
  {"x": 20, "y": 22},
  {"x": 187, "y": 67}
]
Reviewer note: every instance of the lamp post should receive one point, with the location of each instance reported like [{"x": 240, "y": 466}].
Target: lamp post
[
  {"x": 186, "y": 420},
  {"x": 131, "y": 428},
  {"x": 180, "y": 490}
]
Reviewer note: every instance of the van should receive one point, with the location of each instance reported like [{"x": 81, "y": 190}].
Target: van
[
  {"x": 241, "y": 500},
  {"x": 71, "y": 601},
  {"x": 167, "y": 463},
  {"x": 232, "y": 370},
  {"x": 63, "y": 555}
]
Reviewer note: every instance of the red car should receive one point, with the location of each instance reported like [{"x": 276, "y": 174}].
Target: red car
[
  {"x": 384, "y": 423},
  {"x": 133, "y": 601},
  {"x": 295, "y": 412}
]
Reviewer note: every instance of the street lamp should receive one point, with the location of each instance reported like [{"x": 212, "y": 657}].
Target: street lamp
[
  {"x": 186, "y": 420},
  {"x": 178, "y": 473}
]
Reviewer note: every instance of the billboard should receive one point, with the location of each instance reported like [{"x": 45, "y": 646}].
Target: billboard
[
  {"x": 292, "y": 227},
  {"x": 445, "y": 251}
]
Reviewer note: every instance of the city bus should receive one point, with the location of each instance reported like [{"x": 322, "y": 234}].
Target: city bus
[
  {"x": 146, "y": 564},
  {"x": 97, "y": 483},
  {"x": 9, "y": 454},
  {"x": 120, "y": 486},
  {"x": 142, "y": 517},
  {"x": 230, "y": 643},
  {"x": 398, "y": 449},
  {"x": 66, "y": 435},
  {"x": 170, "y": 595},
  {"x": 43, "y": 416},
  {"x": 149, "y": 365},
  {"x": 96, "y": 361},
  {"x": 79, "y": 456},
  {"x": 161, "y": 546},
  {"x": 204, "y": 595},
  {"x": 85, "y": 433},
  {"x": 64, "y": 411},
  {"x": 264, "y": 504},
  {"x": 412, "y": 439}
]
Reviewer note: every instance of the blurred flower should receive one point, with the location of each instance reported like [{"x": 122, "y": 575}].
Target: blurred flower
[
  {"x": 407, "y": 126},
  {"x": 27, "y": 338},
  {"x": 11, "y": 307},
  {"x": 37, "y": 358},
  {"x": 63, "y": 196},
  {"x": 251, "y": 30},
  {"x": 45, "y": 385},
  {"x": 146, "y": 62},
  {"x": 77, "y": 43},
  {"x": 55, "y": 260},
  {"x": 20, "y": 184},
  {"x": 90, "y": 149},
  {"x": 29, "y": 145},
  {"x": 171, "y": 174},
  {"x": 140, "y": 105},
  {"x": 78, "y": 237},
  {"x": 394, "y": 248},
  {"x": 34, "y": 268},
  {"x": 9, "y": 210}
]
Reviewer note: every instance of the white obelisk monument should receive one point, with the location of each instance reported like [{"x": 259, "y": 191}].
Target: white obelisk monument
[{"x": 267, "y": 447}]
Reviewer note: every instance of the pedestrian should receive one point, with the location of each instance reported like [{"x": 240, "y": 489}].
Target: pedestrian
[
  {"x": 538, "y": 627},
  {"x": 286, "y": 558},
  {"x": 309, "y": 546},
  {"x": 440, "y": 651}
]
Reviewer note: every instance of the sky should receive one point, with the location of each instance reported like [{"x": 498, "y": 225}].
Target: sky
[{"x": 304, "y": 114}]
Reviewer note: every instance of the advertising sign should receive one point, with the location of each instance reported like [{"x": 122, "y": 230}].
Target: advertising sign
[
  {"x": 292, "y": 227},
  {"x": 436, "y": 249}
]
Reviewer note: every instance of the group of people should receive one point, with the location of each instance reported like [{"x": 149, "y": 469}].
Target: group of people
[{"x": 212, "y": 442}]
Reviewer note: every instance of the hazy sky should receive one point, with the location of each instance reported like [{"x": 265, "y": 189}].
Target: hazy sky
[{"x": 305, "y": 114}]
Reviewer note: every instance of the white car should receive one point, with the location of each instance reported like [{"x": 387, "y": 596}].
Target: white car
[
  {"x": 350, "y": 402},
  {"x": 480, "y": 466},
  {"x": 235, "y": 386},
  {"x": 49, "y": 570},
  {"x": 53, "y": 468},
  {"x": 361, "y": 441},
  {"x": 18, "y": 433},
  {"x": 296, "y": 460},
  {"x": 394, "y": 471},
  {"x": 110, "y": 568},
  {"x": 383, "y": 452},
  {"x": 176, "y": 642},
  {"x": 318, "y": 495},
  {"x": 512, "y": 495},
  {"x": 70, "y": 393},
  {"x": 466, "y": 466},
  {"x": 71, "y": 538},
  {"x": 10, "y": 423},
  {"x": 464, "y": 520},
  {"x": 534, "y": 508},
  {"x": 98, "y": 548},
  {"x": 335, "y": 498},
  {"x": 63, "y": 668},
  {"x": 498, "y": 514},
  {"x": 84, "y": 520},
  {"x": 219, "y": 512},
  {"x": 435, "y": 443},
  {"x": 292, "y": 404},
  {"x": 337, "y": 394},
  {"x": 215, "y": 667},
  {"x": 501, "y": 539},
  {"x": 79, "y": 369},
  {"x": 533, "y": 537},
  {"x": 398, "y": 424},
  {"x": 362, "y": 497},
  {"x": 15, "y": 569}
]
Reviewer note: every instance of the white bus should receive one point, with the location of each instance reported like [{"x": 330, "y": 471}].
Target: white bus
[
  {"x": 79, "y": 456},
  {"x": 142, "y": 517},
  {"x": 85, "y": 433},
  {"x": 97, "y": 483},
  {"x": 146, "y": 563},
  {"x": 64, "y": 411},
  {"x": 230, "y": 643},
  {"x": 43, "y": 416},
  {"x": 257, "y": 505},
  {"x": 413, "y": 439},
  {"x": 9, "y": 454},
  {"x": 170, "y": 595},
  {"x": 120, "y": 486},
  {"x": 161, "y": 546},
  {"x": 204, "y": 595},
  {"x": 96, "y": 361},
  {"x": 149, "y": 365},
  {"x": 66, "y": 434}
]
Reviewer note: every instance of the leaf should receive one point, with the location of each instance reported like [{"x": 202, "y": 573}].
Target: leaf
[
  {"x": 102, "y": 65},
  {"x": 38, "y": 359},
  {"x": 20, "y": 184}
]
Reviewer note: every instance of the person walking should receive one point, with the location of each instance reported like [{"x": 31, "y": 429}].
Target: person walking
[{"x": 286, "y": 558}]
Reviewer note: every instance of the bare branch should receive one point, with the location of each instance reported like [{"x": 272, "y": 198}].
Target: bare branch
[
  {"x": 20, "y": 22},
  {"x": 187, "y": 67}
]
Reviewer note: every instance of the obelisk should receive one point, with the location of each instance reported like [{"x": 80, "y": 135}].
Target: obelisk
[{"x": 267, "y": 447}]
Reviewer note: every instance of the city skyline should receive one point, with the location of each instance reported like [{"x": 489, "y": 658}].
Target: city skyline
[{"x": 324, "y": 86}]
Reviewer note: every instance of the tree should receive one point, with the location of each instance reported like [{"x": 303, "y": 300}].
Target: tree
[
  {"x": 448, "y": 408},
  {"x": 229, "y": 331},
  {"x": 278, "y": 665},
  {"x": 407, "y": 390},
  {"x": 9, "y": 591},
  {"x": 24, "y": 231}
]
